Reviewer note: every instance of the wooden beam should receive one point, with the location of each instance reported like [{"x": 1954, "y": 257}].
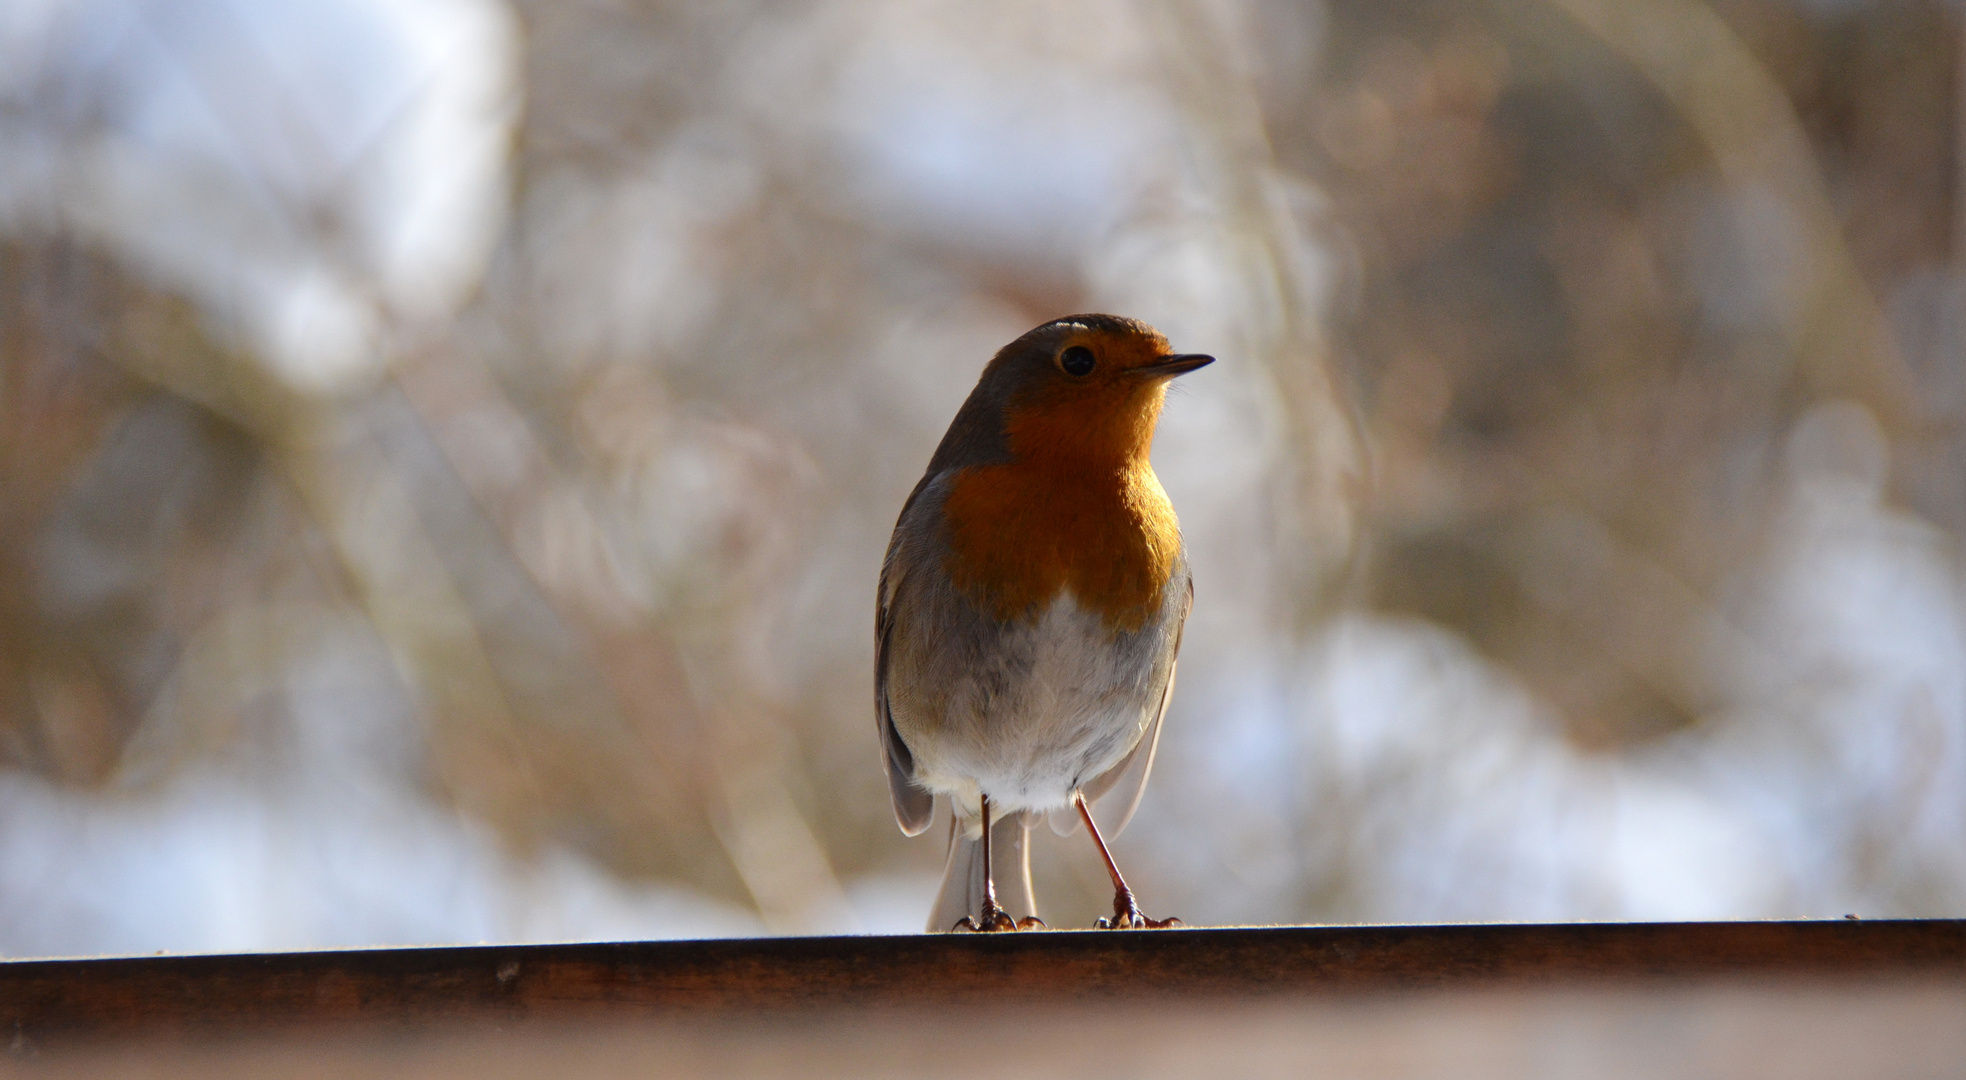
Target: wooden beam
[{"x": 411, "y": 988}]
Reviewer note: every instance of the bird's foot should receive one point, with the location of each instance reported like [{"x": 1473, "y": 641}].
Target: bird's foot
[
  {"x": 995, "y": 921},
  {"x": 1127, "y": 916}
]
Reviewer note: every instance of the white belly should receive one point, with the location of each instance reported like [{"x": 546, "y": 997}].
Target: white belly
[{"x": 1055, "y": 703}]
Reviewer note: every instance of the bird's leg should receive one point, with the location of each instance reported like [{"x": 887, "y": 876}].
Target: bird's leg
[
  {"x": 994, "y": 917},
  {"x": 1126, "y": 912}
]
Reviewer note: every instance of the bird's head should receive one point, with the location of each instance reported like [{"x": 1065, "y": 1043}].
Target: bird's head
[{"x": 1085, "y": 387}]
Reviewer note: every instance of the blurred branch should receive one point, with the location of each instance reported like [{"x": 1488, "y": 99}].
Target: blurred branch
[
  {"x": 56, "y": 403},
  {"x": 455, "y": 399},
  {"x": 1826, "y": 309},
  {"x": 372, "y": 520},
  {"x": 1958, "y": 233},
  {"x": 370, "y": 517},
  {"x": 703, "y": 742},
  {"x": 1320, "y": 461}
]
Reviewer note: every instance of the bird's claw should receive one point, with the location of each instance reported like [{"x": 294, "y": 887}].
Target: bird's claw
[
  {"x": 996, "y": 920},
  {"x": 1127, "y": 916},
  {"x": 1139, "y": 922}
]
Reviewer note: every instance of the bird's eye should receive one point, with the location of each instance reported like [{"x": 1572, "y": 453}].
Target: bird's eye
[{"x": 1077, "y": 360}]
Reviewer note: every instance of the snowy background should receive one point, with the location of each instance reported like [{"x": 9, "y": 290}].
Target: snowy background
[{"x": 446, "y": 450}]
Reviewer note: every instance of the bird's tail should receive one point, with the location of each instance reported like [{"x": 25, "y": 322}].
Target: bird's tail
[{"x": 962, "y": 882}]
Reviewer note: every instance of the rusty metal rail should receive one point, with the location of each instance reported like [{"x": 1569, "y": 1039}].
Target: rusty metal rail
[{"x": 44, "y": 1000}]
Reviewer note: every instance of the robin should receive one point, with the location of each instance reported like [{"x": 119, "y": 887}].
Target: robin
[{"x": 1030, "y": 610}]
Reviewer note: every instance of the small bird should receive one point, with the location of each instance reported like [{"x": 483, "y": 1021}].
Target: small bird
[{"x": 1030, "y": 610}]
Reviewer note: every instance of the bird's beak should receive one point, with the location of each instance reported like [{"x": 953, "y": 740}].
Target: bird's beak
[{"x": 1169, "y": 366}]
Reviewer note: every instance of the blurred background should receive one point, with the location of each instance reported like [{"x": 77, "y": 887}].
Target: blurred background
[{"x": 447, "y": 449}]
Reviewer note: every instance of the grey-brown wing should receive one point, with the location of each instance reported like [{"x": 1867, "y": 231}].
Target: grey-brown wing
[
  {"x": 913, "y": 806},
  {"x": 1127, "y": 781}
]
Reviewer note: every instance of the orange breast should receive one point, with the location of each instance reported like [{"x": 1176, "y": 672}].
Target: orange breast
[
  {"x": 1077, "y": 508},
  {"x": 1018, "y": 536}
]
